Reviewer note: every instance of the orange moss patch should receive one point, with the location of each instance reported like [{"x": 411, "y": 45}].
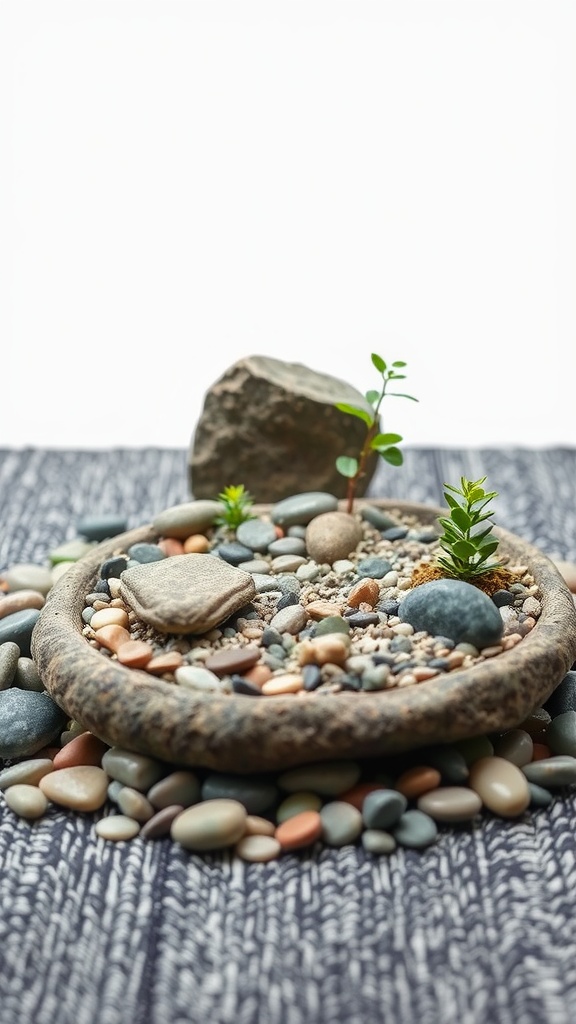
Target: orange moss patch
[{"x": 489, "y": 582}]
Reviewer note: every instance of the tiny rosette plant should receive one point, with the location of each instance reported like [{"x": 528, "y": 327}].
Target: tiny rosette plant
[
  {"x": 468, "y": 549},
  {"x": 236, "y": 503},
  {"x": 386, "y": 445}
]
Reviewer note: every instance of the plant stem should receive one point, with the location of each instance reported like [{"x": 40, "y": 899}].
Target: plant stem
[{"x": 372, "y": 431}]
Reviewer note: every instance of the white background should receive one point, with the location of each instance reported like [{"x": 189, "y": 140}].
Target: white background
[{"x": 183, "y": 184}]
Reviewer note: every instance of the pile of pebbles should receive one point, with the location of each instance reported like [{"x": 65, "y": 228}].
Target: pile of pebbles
[{"x": 325, "y": 614}]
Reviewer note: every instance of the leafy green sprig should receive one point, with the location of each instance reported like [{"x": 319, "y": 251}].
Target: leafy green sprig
[
  {"x": 236, "y": 503},
  {"x": 468, "y": 550},
  {"x": 385, "y": 444}
]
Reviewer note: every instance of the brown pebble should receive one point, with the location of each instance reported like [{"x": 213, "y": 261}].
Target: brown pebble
[
  {"x": 356, "y": 794},
  {"x": 417, "y": 780},
  {"x": 112, "y": 637},
  {"x": 135, "y": 653},
  {"x": 289, "y": 682},
  {"x": 258, "y": 675},
  {"x": 171, "y": 546},
  {"x": 333, "y": 648},
  {"x": 161, "y": 664},
  {"x": 366, "y": 591},
  {"x": 83, "y": 749},
  {"x": 159, "y": 825},
  {"x": 540, "y": 751},
  {"x": 232, "y": 659},
  {"x": 319, "y": 610}
]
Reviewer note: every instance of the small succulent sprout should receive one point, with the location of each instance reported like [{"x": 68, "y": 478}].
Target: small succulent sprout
[
  {"x": 468, "y": 549},
  {"x": 236, "y": 503},
  {"x": 385, "y": 445}
]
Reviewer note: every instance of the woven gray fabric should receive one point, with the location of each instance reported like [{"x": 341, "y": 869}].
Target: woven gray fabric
[{"x": 477, "y": 929}]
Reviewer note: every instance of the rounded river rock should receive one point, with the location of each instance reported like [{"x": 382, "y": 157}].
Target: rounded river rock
[{"x": 454, "y": 609}]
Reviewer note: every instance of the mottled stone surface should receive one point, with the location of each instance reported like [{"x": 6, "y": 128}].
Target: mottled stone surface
[
  {"x": 187, "y": 594},
  {"x": 131, "y": 709},
  {"x": 273, "y": 426}
]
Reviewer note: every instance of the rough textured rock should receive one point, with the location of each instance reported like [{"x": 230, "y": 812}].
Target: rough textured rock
[
  {"x": 131, "y": 709},
  {"x": 272, "y": 426}
]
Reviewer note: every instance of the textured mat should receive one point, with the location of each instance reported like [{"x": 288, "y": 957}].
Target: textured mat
[{"x": 477, "y": 929}]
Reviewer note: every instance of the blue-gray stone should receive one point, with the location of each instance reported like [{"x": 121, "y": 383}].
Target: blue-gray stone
[
  {"x": 17, "y": 629},
  {"x": 143, "y": 552},
  {"x": 256, "y": 534},
  {"x": 100, "y": 528},
  {"x": 28, "y": 722},
  {"x": 415, "y": 830},
  {"x": 301, "y": 508},
  {"x": 561, "y": 734},
  {"x": 395, "y": 533},
  {"x": 454, "y": 609},
  {"x": 234, "y": 553},
  {"x": 383, "y": 807},
  {"x": 378, "y": 518},
  {"x": 550, "y": 772},
  {"x": 539, "y": 797},
  {"x": 112, "y": 567},
  {"x": 373, "y": 568},
  {"x": 287, "y": 546},
  {"x": 258, "y": 795},
  {"x": 564, "y": 696}
]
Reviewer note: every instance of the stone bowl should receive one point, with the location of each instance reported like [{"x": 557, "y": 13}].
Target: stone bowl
[{"x": 241, "y": 734}]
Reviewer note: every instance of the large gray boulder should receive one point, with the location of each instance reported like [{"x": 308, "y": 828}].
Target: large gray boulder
[{"x": 273, "y": 426}]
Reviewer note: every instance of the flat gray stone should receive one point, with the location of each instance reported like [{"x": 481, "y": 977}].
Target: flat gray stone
[{"x": 187, "y": 594}]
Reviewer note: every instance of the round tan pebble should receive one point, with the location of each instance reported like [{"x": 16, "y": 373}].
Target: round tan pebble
[
  {"x": 366, "y": 591},
  {"x": 333, "y": 648},
  {"x": 20, "y": 600},
  {"x": 450, "y": 803},
  {"x": 117, "y": 827},
  {"x": 134, "y": 804},
  {"x": 502, "y": 787},
  {"x": 112, "y": 636},
  {"x": 196, "y": 544},
  {"x": 135, "y": 653},
  {"x": 109, "y": 617},
  {"x": 257, "y": 826},
  {"x": 332, "y": 536},
  {"x": 257, "y": 849},
  {"x": 279, "y": 685},
  {"x": 319, "y": 610},
  {"x": 81, "y": 788},
  {"x": 26, "y": 801},
  {"x": 299, "y": 831},
  {"x": 210, "y": 825},
  {"x": 417, "y": 780}
]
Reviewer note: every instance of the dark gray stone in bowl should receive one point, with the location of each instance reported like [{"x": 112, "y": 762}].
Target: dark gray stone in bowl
[{"x": 236, "y": 733}]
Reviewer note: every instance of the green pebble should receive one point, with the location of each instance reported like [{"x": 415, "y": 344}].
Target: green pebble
[
  {"x": 377, "y": 841},
  {"x": 332, "y": 624},
  {"x": 415, "y": 830},
  {"x": 552, "y": 772},
  {"x": 71, "y": 551},
  {"x": 295, "y": 803}
]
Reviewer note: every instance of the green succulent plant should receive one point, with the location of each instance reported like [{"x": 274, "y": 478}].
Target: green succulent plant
[
  {"x": 468, "y": 549},
  {"x": 236, "y": 503},
  {"x": 385, "y": 445}
]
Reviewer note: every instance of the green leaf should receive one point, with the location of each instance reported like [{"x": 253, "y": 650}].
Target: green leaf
[
  {"x": 385, "y": 440},
  {"x": 398, "y": 394},
  {"x": 353, "y": 410},
  {"x": 398, "y": 362},
  {"x": 460, "y": 516},
  {"x": 393, "y": 456},
  {"x": 488, "y": 548},
  {"x": 372, "y": 397},
  {"x": 378, "y": 362},
  {"x": 347, "y": 466},
  {"x": 464, "y": 549}
]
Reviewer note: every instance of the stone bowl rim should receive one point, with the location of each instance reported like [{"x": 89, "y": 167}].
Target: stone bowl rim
[{"x": 130, "y": 709}]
